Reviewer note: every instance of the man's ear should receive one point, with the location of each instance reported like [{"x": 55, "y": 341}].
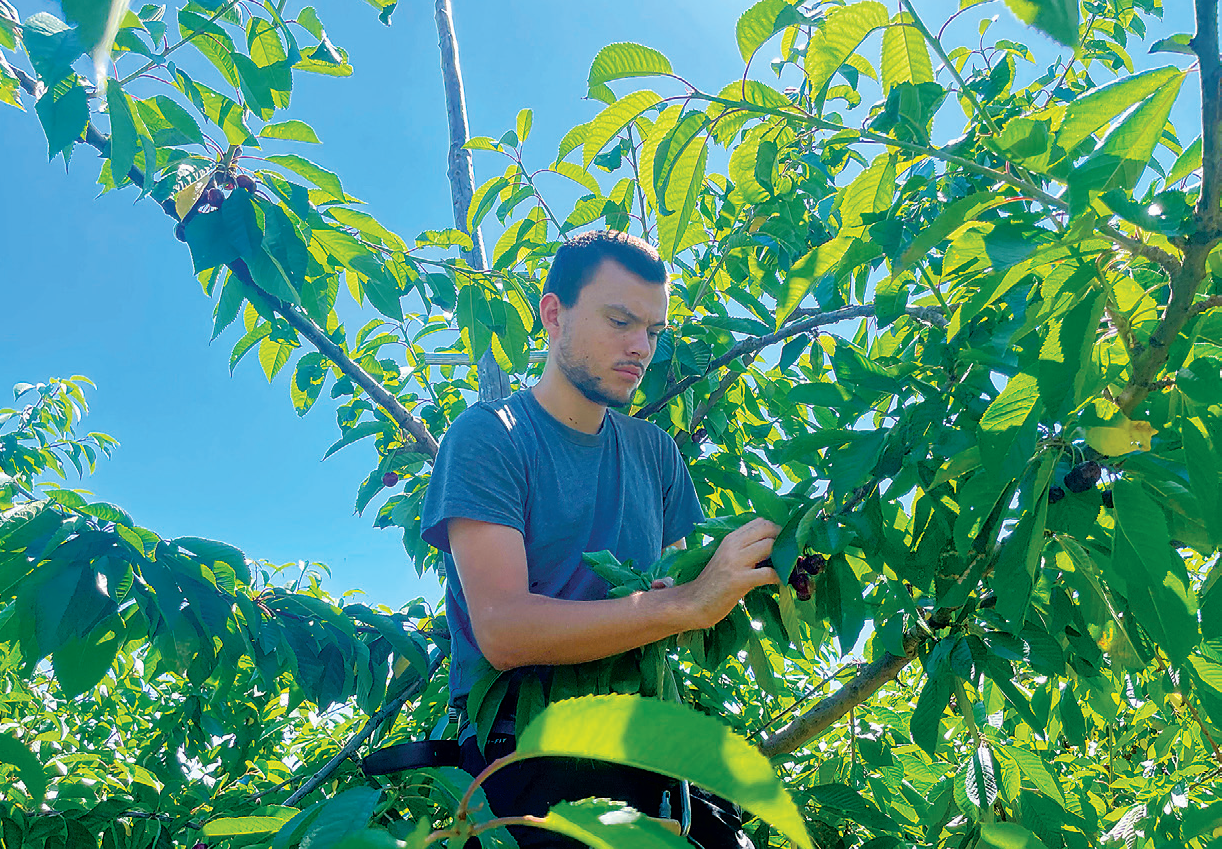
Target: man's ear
[{"x": 549, "y": 312}]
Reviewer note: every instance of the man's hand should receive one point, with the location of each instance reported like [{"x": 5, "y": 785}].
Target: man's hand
[{"x": 731, "y": 573}]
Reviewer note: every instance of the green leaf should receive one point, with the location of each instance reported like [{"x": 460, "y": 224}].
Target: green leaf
[
  {"x": 850, "y": 803},
  {"x": 578, "y": 175},
  {"x": 1056, "y": 18},
  {"x": 609, "y": 122},
  {"x": 64, "y": 111},
  {"x": 321, "y": 177},
  {"x": 949, "y": 220},
  {"x": 1006, "y": 414},
  {"x": 762, "y": 21},
  {"x": 670, "y": 739},
  {"x": 255, "y": 85},
  {"x": 838, "y": 37},
  {"x": 926, "y": 723},
  {"x": 626, "y": 59},
  {"x": 871, "y": 191},
  {"x": 1007, "y": 835},
  {"x": 1096, "y": 109},
  {"x": 208, "y": 238},
  {"x": 1158, "y": 587},
  {"x": 1035, "y": 770},
  {"x": 347, "y": 812},
  {"x": 82, "y": 661},
  {"x": 1187, "y": 162},
  {"x": 980, "y": 774},
  {"x": 1180, "y": 43},
  {"x": 241, "y": 826},
  {"x": 807, "y": 271},
  {"x": 684, "y": 182},
  {"x": 355, "y": 433},
  {"x": 13, "y": 753},
  {"x": 605, "y": 824},
  {"x": 905, "y": 54},
  {"x": 123, "y": 139},
  {"x": 97, "y": 22},
  {"x": 1128, "y": 147},
  {"x": 51, "y": 45},
  {"x": 290, "y": 131}
]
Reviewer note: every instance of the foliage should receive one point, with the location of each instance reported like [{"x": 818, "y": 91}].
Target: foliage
[{"x": 1004, "y": 445}]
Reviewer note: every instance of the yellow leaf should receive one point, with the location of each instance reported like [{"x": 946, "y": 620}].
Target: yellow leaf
[
  {"x": 1121, "y": 438},
  {"x": 185, "y": 200}
]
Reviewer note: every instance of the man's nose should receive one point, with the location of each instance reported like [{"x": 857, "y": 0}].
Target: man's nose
[{"x": 638, "y": 344}]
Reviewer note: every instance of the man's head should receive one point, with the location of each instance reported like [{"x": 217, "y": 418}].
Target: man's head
[{"x": 604, "y": 305}]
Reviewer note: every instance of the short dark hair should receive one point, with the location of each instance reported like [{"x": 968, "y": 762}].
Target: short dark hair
[{"x": 579, "y": 257}]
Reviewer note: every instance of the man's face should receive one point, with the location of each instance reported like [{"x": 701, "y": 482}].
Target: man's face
[{"x": 608, "y": 337}]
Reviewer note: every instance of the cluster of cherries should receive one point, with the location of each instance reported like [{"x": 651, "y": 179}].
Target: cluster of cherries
[
  {"x": 806, "y": 567},
  {"x": 1080, "y": 478},
  {"x": 209, "y": 200}
]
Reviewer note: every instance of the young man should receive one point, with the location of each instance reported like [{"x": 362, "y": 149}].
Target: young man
[{"x": 522, "y": 487}]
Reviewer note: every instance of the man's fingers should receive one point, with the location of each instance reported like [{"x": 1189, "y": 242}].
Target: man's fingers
[
  {"x": 662, "y": 583},
  {"x": 765, "y": 575},
  {"x": 754, "y": 531},
  {"x": 757, "y": 551}
]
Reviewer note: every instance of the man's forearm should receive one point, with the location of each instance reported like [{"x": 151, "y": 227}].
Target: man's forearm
[{"x": 535, "y": 629}]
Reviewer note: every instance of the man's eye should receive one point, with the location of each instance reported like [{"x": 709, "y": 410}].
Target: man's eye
[{"x": 618, "y": 323}]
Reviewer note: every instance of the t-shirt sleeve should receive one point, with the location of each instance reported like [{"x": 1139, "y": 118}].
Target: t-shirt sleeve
[
  {"x": 479, "y": 474},
  {"x": 681, "y": 509}
]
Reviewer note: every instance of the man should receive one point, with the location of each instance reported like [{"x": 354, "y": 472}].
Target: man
[{"x": 522, "y": 487}]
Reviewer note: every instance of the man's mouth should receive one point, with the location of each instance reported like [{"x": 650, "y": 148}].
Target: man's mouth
[{"x": 634, "y": 372}]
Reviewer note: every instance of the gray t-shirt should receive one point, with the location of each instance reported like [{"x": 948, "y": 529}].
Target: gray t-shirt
[{"x": 624, "y": 489}]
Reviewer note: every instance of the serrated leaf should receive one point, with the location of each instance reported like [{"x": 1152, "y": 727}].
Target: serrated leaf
[
  {"x": 321, "y": 177},
  {"x": 905, "y": 55},
  {"x": 609, "y": 122},
  {"x": 1096, "y": 109},
  {"x": 838, "y": 37},
  {"x": 1056, "y": 18},
  {"x": 762, "y": 21},
  {"x": 290, "y": 131},
  {"x": 626, "y": 59}
]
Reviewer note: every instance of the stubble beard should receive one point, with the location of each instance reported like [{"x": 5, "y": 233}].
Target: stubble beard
[{"x": 588, "y": 384}]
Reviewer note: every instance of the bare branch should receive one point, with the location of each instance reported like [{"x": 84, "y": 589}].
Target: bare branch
[
  {"x": 823, "y": 715},
  {"x": 1205, "y": 45},
  {"x": 492, "y": 379},
  {"x": 1207, "y": 304},
  {"x": 371, "y": 725},
  {"x": 808, "y": 321}
]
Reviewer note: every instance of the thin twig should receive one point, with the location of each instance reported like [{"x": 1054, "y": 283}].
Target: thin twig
[
  {"x": 756, "y": 343},
  {"x": 153, "y": 63},
  {"x": 371, "y": 725}
]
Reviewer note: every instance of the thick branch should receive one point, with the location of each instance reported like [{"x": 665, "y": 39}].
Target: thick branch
[
  {"x": 371, "y": 725},
  {"x": 824, "y": 714},
  {"x": 1184, "y": 285},
  {"x": 808, "y": 322},
  {"x": 1205, "y": 45},
  {"x": 492, "y": 379},
  {"x": 298, "y": 320}
]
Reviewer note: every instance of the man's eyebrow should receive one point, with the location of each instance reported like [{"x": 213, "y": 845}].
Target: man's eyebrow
[{"x": 630, "y": 314}]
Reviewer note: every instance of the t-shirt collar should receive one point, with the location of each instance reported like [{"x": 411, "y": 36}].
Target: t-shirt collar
[{"x": 570, "y": 434}]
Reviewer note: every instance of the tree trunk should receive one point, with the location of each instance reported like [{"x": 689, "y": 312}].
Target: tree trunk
[{"x": 493, "y": 381}]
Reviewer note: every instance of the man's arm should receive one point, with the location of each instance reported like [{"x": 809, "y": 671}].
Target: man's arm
[{"x": 515, "y": 627}]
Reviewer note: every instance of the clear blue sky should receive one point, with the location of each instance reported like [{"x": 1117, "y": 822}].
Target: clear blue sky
[{"x": 101, "y": 288}]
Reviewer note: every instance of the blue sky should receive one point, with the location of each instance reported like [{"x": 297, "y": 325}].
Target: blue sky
[{"x": 100, "y": 287}]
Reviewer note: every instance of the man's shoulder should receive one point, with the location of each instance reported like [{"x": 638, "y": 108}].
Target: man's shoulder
[
  {"x": 488, "y": 421},
  {"x": 640, "y": 431}
]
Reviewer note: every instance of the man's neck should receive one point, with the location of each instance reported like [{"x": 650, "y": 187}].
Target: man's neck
[{"x": 566, "y": 404}]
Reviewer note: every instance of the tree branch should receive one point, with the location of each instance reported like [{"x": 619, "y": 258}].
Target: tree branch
[
  {"x": 808, "y": 321},
  {"x": 492, "y": 380},
  {"x": 824, "y": 714},
  {"x": 297, "y": 319},
  {"x": 1205, "y": 45},
  {"x": 371, "y": 725},
  {"x": 1207, "y": 304}
]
